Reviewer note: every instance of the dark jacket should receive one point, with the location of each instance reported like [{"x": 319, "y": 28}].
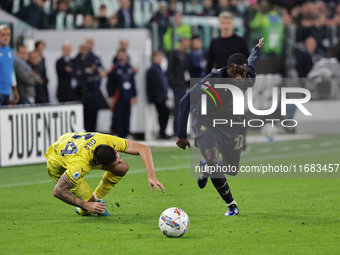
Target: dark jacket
[
  {"x": 121, "y": 20},
  {"x": 157, "y": 84},
  {"x": 178, "y": 65},
  {"x": 33, "y": 15},
  {"x": 121, "y": 82},
  {"x": 84, "y": 74},
  {"x": 65, "y": 92}
]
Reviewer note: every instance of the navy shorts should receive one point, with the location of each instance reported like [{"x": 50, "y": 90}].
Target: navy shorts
[{"x": 230, "y": 148}]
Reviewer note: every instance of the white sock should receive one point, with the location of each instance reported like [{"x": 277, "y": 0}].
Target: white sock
[
  {"x": 97, "y": 198},
  {"x": 232, "y": 203}
]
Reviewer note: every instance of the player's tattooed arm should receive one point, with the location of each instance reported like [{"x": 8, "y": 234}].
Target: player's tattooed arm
[{"x": 62, "y": 191}]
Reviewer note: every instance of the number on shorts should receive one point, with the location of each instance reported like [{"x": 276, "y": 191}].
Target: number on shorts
[{"x": 239, "y": 142}]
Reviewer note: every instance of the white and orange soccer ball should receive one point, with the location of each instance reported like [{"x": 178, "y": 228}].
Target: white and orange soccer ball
[{"x": 174, "y": 222}]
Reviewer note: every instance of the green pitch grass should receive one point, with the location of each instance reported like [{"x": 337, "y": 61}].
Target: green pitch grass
[{"x": 277, "y": 215}]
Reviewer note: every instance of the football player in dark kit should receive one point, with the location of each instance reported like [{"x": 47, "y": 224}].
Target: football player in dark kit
[{"x": 225, "y": 139}]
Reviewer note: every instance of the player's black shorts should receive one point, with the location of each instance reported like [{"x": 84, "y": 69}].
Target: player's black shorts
[{"x": 208, "y": 137}]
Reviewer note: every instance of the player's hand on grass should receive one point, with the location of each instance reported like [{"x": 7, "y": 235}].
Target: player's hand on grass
[
  {"x": 95, "y": 207},
  {"x": 154, "y": 182},
  {"x": 260, "y": 44},
  {"x": 183, "y": 143}
]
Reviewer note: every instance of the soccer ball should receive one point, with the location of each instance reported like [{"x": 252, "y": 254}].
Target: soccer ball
[{"x": 174, "y": 222}]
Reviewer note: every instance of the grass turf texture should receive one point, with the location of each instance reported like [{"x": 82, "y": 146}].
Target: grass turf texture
[{"x": 277, "y": 216}]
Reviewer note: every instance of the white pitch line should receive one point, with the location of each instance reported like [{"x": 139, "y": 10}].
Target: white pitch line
[
  {"x": 264, "y": 150},
  {"x": 285, "y": 148},
  {"x": 139, "y": 171}
]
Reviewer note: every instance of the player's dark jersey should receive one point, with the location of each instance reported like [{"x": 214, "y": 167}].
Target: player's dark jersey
[{"x": 218, "y": 107}]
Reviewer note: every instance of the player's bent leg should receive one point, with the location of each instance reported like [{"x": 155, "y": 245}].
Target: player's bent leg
[
  {"x": 203, "y": 177},
  {"x": 231, "y": 203},
  {"x": 108, "y": 181},
  {"x": 210, "y": 162},
  {"x": 84, "y": 192}
]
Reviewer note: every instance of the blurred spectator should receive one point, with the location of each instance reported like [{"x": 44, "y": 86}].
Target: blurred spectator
[
  {"x": 85, "y": 76},
  {"x": 306, "y": 57},
  {"x": 234, "y": 9},
  {"x": 82, "y": 7},
  {"x": 334, "y": 52},
  {"x": 65, "y": 73},
  {"x": 124, "y": 45},
  {"x": 58, "y": 17},
  {"x": 103, "y": 21},
  {"x": 122, "y": 91},
  {"x": 319, "y": 31},
  {"x": 13, "y": 6},
  {"x": 225, "y": 45},
  {"x": 157, "y": 91},
  {"x": 41, "y": 91},
  {"x": 124, "y": 14},
  {"x": 172, "y": 8},
  {"x": 161, "y": 17},
  {"x": 268, "y": 22},
  {"x": 34, "y": 14},
  {"x": 197, "y": 58},
  {"x": 113, "y": 21},
  {"x": 89, "y": 22},
  {"x": 182, "y": 30},
  {"x": 98, "y": 68},
  {"x": 208, "y": 9},
  {"x": 7, "y": 76},
  {"x": 26, "y": 79},
  {"x": 178, "y": 75},
  {"x": 222, "y": 6}
]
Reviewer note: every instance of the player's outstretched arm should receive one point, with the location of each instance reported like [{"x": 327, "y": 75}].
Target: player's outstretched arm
[
  {"x": 62, "y": 191},
  {"x": 260, "y": 44},
  {"x": 144, "y": 151}
]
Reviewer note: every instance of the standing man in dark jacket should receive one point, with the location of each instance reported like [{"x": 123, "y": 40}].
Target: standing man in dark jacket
[
  {"x": 122, "y": 91},
  {"x": 66, "y": 80},
  {"x": 85, "y": 76},
  {"x": 157, "y": 90},
  {"x": 222, "y": 47},
  {"x": 41, "y": 91},
  {"x": 125, "y": 16},
  {"x": 197, "y": 58},
  {"x": 178, "y": 75}
]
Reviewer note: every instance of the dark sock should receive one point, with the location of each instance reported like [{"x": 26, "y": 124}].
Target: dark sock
[{"x": 222, "y": 187}]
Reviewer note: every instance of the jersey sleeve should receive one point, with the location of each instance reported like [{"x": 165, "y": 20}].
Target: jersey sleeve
[{"x": 119, "y": 144}]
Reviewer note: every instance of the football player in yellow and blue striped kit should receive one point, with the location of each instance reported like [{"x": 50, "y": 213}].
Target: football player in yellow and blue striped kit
[{"x": 74, "y": 155}]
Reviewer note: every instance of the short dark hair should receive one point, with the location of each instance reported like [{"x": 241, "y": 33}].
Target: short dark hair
[
  {"x": 37, "y": 43},
  {"x": 20, "y": 46},
  {"x": 195, "y": 36},
  {"x": 104, "y": 154},
  {"x": 238, "y": 59}
]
